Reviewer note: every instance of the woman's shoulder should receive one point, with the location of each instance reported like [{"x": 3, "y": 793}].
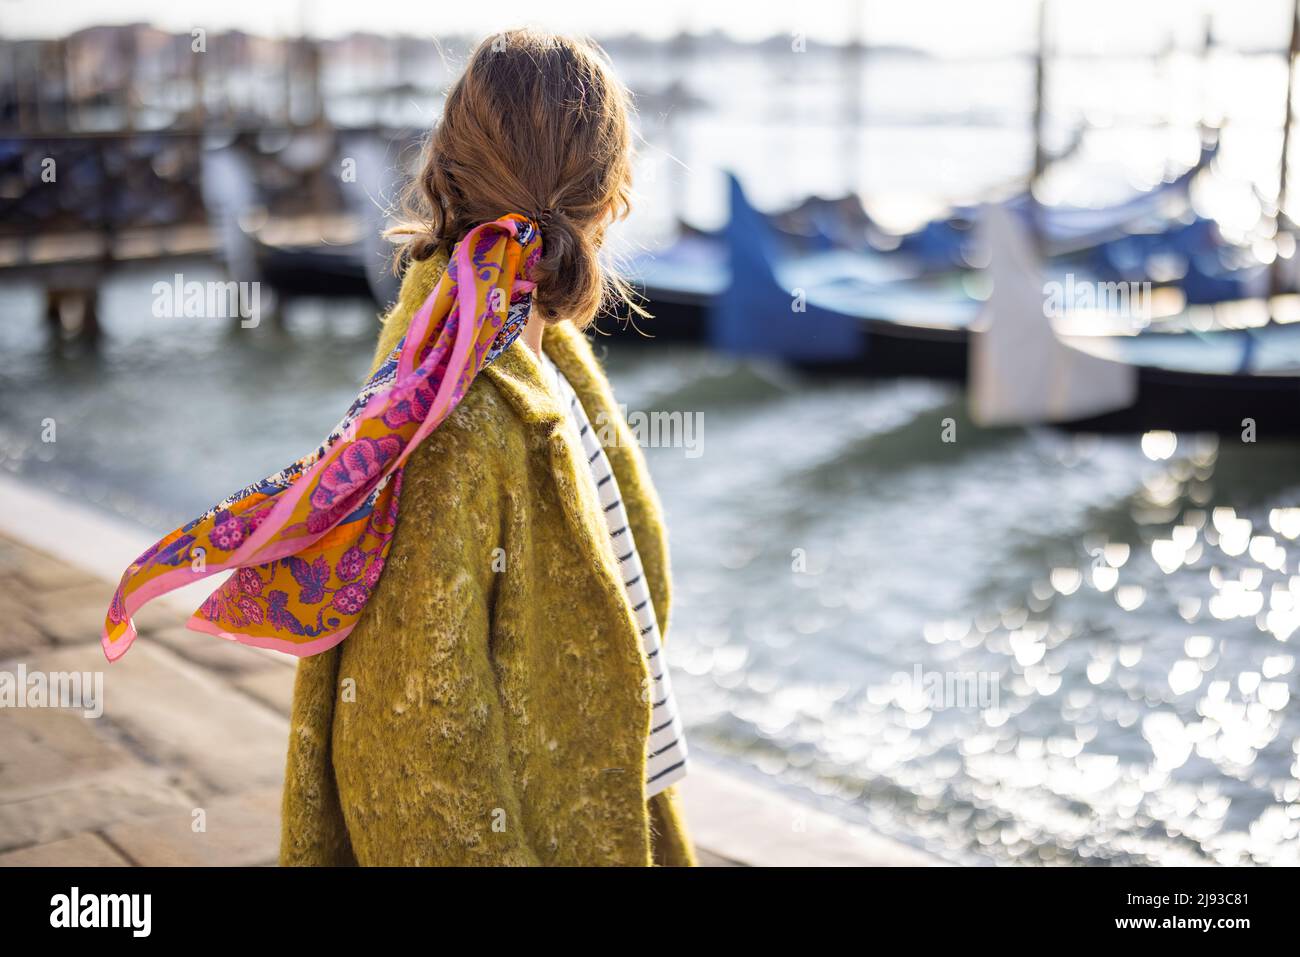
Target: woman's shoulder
[
  {"x": 481, "y": 435},
  {"x": 458, "y": 473},
  {"x": 481, "y": 430}
]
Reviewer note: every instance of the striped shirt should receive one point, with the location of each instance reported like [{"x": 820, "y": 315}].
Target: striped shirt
[{"x": 666, "y": 757}]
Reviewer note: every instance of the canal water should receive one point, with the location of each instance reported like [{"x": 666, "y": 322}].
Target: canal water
[{"x": 1123, "y": 611}]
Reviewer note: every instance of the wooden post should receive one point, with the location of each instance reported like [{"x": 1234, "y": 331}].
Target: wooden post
[
  {"x": 681, "y": 53},
  {"x": 1282, "y": 221},
  {"x": 1040, "y": 82},
  {"x": 1040, "y": 122},
  {"x": 315, "y": 84},
  {"x": 855, "y": 52},
  {"x": 72, "y": 318},
  {"x": 130, "y": 94},
  {"x": 1207, "y": 51},
  {"x": 198, "y": 111}
]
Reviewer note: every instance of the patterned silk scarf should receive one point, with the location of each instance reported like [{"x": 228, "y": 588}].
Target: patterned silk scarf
[{"x": 308, "y": 544}]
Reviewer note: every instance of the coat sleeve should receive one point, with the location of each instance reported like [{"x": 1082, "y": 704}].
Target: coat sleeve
[{"x": 419, "y": 747}]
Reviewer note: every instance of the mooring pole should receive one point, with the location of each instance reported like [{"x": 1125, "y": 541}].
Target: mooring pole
[
  {"x": 1040, "y": 121},
  {"x": 1282, "y": 221}
]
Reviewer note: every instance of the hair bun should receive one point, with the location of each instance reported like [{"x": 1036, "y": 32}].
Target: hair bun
[{"x": 536, "y": 124}]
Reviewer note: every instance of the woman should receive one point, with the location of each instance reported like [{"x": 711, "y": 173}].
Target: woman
[
  {"x": 499, "y": 697},
  {"x": 500, "y": 713}
]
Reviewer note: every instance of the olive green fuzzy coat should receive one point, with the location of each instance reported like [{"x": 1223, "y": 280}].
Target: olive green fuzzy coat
[{"x": 488, "y": 708}]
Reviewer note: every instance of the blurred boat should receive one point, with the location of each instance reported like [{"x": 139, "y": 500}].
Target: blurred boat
[
  {"x": 948, "y": 242},
  {"x": 1201, "y": 367},
  {"x": 848, "y": 310},
  {"x": 679, "y": 282},
  {"x": 682, "y": 279},
  {"x": 833, "y": 251},
  {"x": 1221, "y": 381},
  {"x": 688, "y": 282},
  {"x": 1191, "y": 373},
  {"x": 309, "y": 267},
  {"x": 1190, "y": 254},
  {"x": 294, "y": 253},
  {"x": 878, "y": 313}
]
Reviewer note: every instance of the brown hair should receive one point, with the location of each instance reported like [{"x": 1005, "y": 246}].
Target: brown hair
[{"x": 537, "y": 124}]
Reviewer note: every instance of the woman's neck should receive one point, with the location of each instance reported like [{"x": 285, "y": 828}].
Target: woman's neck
[{"x": 532, "y": 334}]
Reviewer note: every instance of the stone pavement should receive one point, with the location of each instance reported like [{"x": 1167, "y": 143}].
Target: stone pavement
[{"x": 185, "y": 765}]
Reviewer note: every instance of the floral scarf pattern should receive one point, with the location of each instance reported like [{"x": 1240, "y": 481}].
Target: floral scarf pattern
[{"x": 308, "y": 543}]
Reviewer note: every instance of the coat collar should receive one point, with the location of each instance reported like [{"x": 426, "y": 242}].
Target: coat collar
[
  {"x": 517, "y": 372},
  {"x": 519, "y": 376}
]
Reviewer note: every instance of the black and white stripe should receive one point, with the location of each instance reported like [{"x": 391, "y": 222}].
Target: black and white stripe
[{"x": 666, "y": 758}]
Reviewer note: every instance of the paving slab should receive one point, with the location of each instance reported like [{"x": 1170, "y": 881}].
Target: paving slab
[
  {"x": 241, "y": 830},
  {"x": 740, "y": 820},
  {"x": 88, "y": 802},
  {"x": 81, "y": 850},
  {"x": 272, "y": 686},
  {"x": 173, "y": 713},
  {"x": 73, "y": 614},
  {"x": 227, "y": 658},
  {"x": 43, "y": 573},
  {"x": 18, "y": 637},
  {"x": 40, "y": 747}
]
